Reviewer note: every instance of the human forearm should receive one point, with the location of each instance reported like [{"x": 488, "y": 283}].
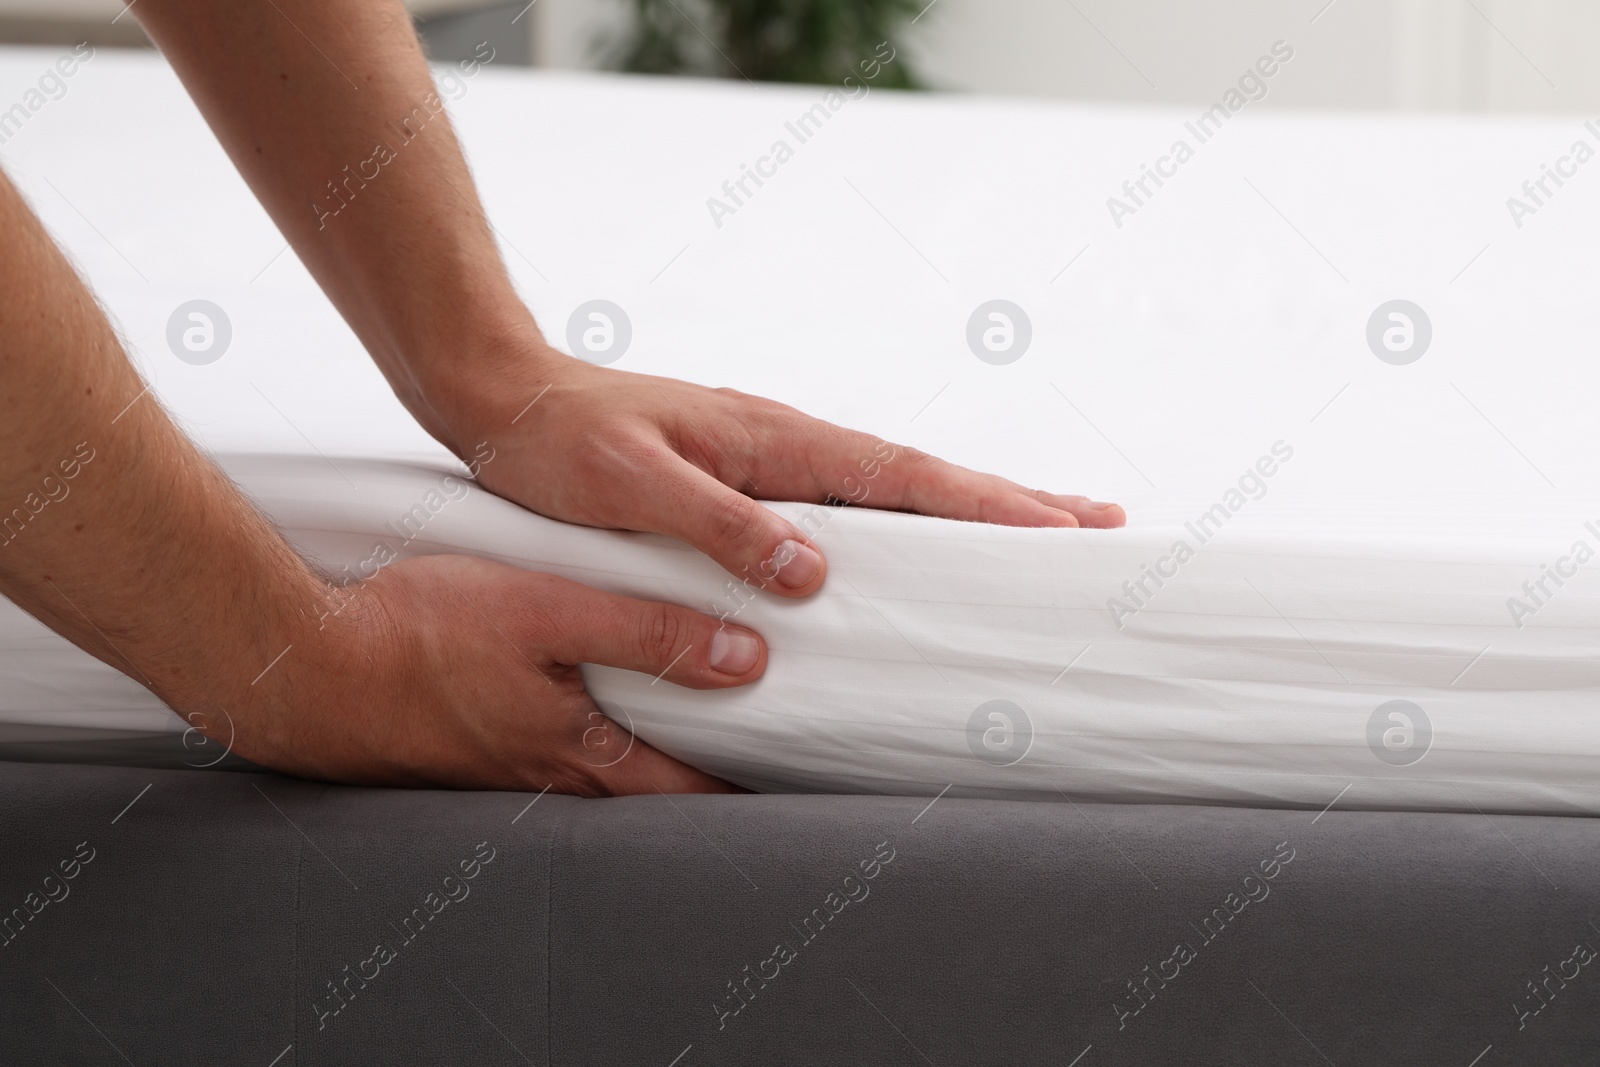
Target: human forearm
[
  {"x": 331, "y": 114},
  {"x": 114, "y": 530}
]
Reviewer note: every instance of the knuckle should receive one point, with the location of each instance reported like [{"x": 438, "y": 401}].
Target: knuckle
[
  {"x": 612, "y": 446},
  {"x": 664, "y": 629},
  {"x": 920, "y": 461},
  {"x": 757, "y": 405},
  {"x": 736, "y": 520},
  {"x": 767, "y": 406}
]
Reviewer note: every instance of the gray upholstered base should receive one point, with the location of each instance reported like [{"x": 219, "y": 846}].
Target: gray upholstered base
[{"x": 218, "y": 908}]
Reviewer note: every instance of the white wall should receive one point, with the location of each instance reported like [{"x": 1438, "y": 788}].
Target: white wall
[{"x": 1431, "y": 54}]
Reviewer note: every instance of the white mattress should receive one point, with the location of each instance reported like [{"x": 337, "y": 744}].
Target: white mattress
[{"x": 1225, "y": 319}]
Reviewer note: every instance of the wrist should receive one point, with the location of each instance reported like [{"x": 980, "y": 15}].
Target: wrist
[
  {"x": 250, "y": 680},
  {"x": 488, "y": 386},
  {"x": 291, "y": 673},
  {"x": 241, "y": 645},
  {"x": 462, "y": 381}
]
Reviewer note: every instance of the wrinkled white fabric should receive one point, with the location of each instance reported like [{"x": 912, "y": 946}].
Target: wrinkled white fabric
[{"x": 1257, "y": 676}]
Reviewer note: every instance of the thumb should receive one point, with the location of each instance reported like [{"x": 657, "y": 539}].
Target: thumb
[{"x": 669, "y": 642}]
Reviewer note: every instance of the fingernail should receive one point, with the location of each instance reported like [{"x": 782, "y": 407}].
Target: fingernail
[
  {"x": 798, "y": 564},
  {"x": 1099, "y": 505},
  {"x": 734, "y": 651}
]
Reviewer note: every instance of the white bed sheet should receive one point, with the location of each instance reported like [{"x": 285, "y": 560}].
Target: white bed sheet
[{"x": 1169, "y": 355}]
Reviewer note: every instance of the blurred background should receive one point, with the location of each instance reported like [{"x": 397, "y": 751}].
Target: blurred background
[{"x": 1437, "y": 55}]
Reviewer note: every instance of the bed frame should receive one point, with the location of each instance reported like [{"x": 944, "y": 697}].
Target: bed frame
[{"x": 201, "y": 917}]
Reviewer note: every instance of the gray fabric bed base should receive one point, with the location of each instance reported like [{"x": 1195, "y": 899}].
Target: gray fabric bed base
[{"x": 161, "y": 917}]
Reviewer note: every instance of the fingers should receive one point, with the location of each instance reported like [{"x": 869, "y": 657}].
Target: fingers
[
  {"x": 1091, "y": 514},
  {"x": 671, "y": 643},
  {"x": 829, "y": 463},
  {"x": 874, "y": 473},
  {"x": 603, "y": 758},
  {"x": 750, "y": 542},
  {"x": 644, "y": 769},
  {"x": 808, "y": 459}
]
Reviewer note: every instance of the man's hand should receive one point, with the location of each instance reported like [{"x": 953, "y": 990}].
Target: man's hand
[
  {"x": 454, "y": 671},
  {"x": 607, "y": 448}
]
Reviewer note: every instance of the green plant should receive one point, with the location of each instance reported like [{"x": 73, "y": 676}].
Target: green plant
[{"x": 816, "y": 41}]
